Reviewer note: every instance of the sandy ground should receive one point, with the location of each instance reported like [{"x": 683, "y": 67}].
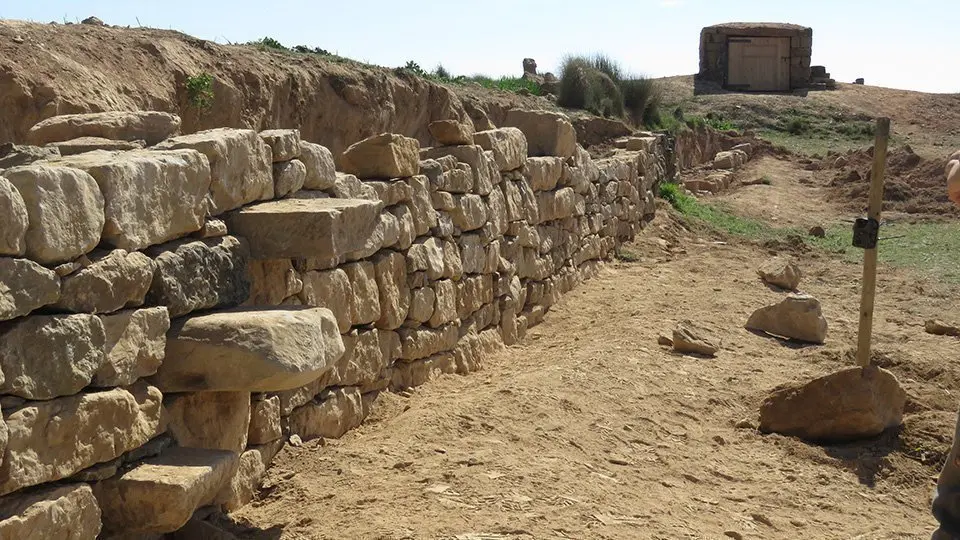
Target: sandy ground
[{"x": 589, "y": 429}]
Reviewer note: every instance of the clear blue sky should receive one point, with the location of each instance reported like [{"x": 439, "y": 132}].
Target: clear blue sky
[{"x": 901, "y": 44}]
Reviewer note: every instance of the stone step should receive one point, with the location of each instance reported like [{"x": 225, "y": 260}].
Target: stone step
[
  {"x": 304, "y": 228},
  {"x": 250, "y": 350},
  {"x": 161, "y": 494}
]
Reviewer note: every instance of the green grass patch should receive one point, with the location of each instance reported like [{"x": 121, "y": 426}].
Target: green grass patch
[{"x": 931, "y": 249}]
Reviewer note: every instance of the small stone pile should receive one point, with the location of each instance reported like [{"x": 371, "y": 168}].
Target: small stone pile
[{"x": 175, "y": 307}]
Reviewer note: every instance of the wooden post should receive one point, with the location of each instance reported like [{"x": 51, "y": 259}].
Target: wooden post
[{"x": 870, "y": 255}]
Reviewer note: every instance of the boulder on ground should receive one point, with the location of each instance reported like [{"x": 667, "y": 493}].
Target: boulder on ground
[
  {"x": 65, "y": 210},
  {"x": 148, "y": 126},
  {"x": 62, "y": 512},
  {"x": 240, "y": 165},
  {"x": 689, "y": 337},
  {"x": 851, "y": 404},
  {"x": 939, "y": 328},
  {"x": 451, "y": 132},
  {"x": 383, "y": 156},
  {"x": 781, "y": 272},
  {"x": 263, "y": 350},
  {"x": 548, "y": 133},
  {"x": 731, "y": 159},
  {"x": 25, "y": 286},
  {"x": 798, "y": 317}
]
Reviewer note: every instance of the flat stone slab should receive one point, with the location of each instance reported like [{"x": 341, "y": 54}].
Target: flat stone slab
[
  {"x": 61, "y": 512},
  {"x": 851, "y": 404},
  {"x": 82, "y": 145},
  {"x": 148, "y": 126},
  {"x": 161, "y": 494},
  {"x": 247, "y": 350},
  {"x": 302, "y": 228}
]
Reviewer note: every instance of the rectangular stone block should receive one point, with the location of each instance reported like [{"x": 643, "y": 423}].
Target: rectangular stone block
[
  {"x": 423, "y": 342},
  {"x": 51, "y": 440},
  {"x": 322, "y": 228},
  {"x": 240, "y": 165},
  {"x": 150, "y": 196},
  {"x": 161, "y": 494},
  {"x": 192, "y": 275},
  {"x": 547, "y": 133},
  {"x": 135, "y": 344},
  {"x": 335, "y": 412},
  {"x": 508, "y": 144},
  {"x": 264, "y": 421},
  {"x": 67, "y": 512},
  {"x": 252, "y": 467},
  {"x": 211, "y": 420}
]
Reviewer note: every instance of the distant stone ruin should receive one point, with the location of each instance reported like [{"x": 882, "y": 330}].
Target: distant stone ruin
[{"x": 766, "y": 57}]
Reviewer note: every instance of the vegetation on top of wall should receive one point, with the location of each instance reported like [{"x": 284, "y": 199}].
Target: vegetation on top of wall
[{"x": 598, "y": 84}]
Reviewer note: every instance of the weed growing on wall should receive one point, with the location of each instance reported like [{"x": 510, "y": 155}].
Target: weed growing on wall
[{"x": 200, "y": 91}]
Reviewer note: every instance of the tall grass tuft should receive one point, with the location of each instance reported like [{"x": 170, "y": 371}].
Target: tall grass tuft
[{"x": 599, "y": 84}]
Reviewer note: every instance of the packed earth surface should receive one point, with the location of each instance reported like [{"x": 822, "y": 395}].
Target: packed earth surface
[{"x": 589, "y": 429}]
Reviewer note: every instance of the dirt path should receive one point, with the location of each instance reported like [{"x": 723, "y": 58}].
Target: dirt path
[{"x": 589, "y": 429}]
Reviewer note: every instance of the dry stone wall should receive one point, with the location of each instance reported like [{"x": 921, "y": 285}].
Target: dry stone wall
[{"x": 172, "y": 314}]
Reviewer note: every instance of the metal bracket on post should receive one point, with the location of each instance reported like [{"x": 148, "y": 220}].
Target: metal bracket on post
[{"x": 866, "y": 233}]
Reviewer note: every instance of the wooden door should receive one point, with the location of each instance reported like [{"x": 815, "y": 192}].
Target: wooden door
[{"x": 758, "y": 63}]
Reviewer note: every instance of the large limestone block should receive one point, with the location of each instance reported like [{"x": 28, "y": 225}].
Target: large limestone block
[
  {"x": 114, "y": 280},
  {"x": 288, "y": 177},
  {"x": 25, "y": 286},
  {"x": 798, "y": 316},
  {"x": 150, "y": 196},
  {"x": 200, "y": 274},
  {"x": 211, "y": 420},
  {"x": 284, "y": 143},
  {"x": 135, "y": 345},
  {"x": 161, "y": 494},
  {"x": 496, "y": 213},
  {"x": 780, "y": 272},
  {"x": 337, "y": 412},
  {"x": 330, "y": 289},
  {"x": 445, "y": 308},
  {"x": 393, "y": 291},
  {"x": 426, "y": 255},
  {"x": 249, "y": 350},
  {"x": 326, "y": 228},
  {"x": 45, "y": 356},
  {"x": 264, "y": 421},
  {"x": 148, "y": 126},
  {"x": 472, "y": 293},
  {"x": 245, "y": 483},
  {"x": 383, "y": 156},
  {"x": 473, "y": 173},
  {"x": 364, "y": 361},
  {"x": 851, "y": 404},
  {"x": 321, "y": 171},
  {"x": 470, "y": 212},
  {"x": 65, "y": 211},
  {"x": 390, "y": 192},
  {"x": 422, "y": 300},
  {"x": 406, "y": 226},
  {"x": 509, "y": 146},
  {"x": 14, "y": 220},
  {"x": 411, "y": 374},
  {"x": 451, "y": 132},
  {"x": 81, "y": 145},
  {"x": 348, "y": 186},
  {"x": 272, "y": 281},
  {"x": 50, "y": 440},
  {"x": 15, "y": 155},
  {"x": 421, "y": 205},
  {"x": 548, "y": 133},
  {"x": 366, "y": 296},
  {"x": 68, "y": 512},
  {"x": 240, "y": 165},
  {"x": 556, "y": 204},
  {"x": 543, "y": 173},
  {"x": 423, "y": 342}
]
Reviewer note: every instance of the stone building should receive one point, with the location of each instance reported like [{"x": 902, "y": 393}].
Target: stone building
[{"x": 766, "y": 57}]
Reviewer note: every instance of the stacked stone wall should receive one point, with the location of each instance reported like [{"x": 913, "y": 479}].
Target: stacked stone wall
[{"x": 172, "y": 315}]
